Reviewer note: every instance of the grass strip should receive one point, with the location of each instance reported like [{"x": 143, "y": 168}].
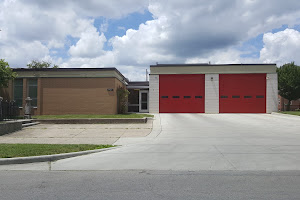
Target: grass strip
[
  {"x": 291, "y": 112},
  {"x": 23, "y": 150},
  {"x": 131, "y": 115}
]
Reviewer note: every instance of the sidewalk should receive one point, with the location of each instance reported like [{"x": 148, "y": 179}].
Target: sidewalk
[{"x": 77, "y": 133}]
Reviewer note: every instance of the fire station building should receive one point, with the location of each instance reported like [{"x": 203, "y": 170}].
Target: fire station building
[
  {"x": 207, "y": 88},
  {"x": 172, "y": 88}
]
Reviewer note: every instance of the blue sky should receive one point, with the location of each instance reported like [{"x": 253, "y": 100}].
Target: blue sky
[
  {"x": 132, "y": 35},
  {"x": 254, "y": 45},
  {"x": 118, "y": 27}
]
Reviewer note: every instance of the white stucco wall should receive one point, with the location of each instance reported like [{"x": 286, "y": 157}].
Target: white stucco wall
[
  {"x": 154, "y": 93},
  {"x": 211, "y": 93},
  {"x": 272, "y": 93}
]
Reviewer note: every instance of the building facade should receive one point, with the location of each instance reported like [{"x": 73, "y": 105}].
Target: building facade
[
  {"x": 206, "y": 88},
  {"x": 172, "y": 88},
  {"x": 67, "y": 90}
]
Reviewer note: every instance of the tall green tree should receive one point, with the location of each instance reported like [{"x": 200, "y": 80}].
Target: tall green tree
[
  {"x": 6, "y": 73},
  {"x": 289, "y": 82},
  {"x": 35, "y": 64}
]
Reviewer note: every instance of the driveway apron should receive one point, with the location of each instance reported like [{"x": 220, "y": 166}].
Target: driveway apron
[{"x": 203, "y": 142}]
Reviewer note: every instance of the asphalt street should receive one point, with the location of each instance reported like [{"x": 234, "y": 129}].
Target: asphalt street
[{"x": 150, "y": 185}]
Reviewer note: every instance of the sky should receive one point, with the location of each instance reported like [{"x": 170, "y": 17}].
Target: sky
[{"x": 131, "y": 35}]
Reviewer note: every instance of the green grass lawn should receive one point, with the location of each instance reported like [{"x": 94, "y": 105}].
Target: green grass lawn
[
  {"x": 23, "y": 150},
  {"x": 291, "y": 112},
  {"x": 131, "y": 115}
]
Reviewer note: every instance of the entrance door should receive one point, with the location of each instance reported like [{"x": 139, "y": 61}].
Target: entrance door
[{"x": 144, "y": 96}]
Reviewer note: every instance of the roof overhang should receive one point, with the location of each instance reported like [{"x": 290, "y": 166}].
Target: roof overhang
[
  {"x": 70, "y": 73},
  {"x": 212, "y": 68}
]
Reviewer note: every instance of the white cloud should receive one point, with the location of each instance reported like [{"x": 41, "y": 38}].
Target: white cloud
[
  {"x": 49, "y": 23},
  {"x": 104, "y": 26},
  {"x": 55, "y": 44},
  {"x": 181, "y": 32},
  {"x": 185, "y": 30},
  {"x": 92, "y": 8},
  {"x": 281, "y": 47},
  {"x": 223, "y": 56},
  {"x": 23, "y": 52},
  {"x": 121, "y": 28},
  {"x": 105, "y": 60},
  {"x": 89, "y": 45}
]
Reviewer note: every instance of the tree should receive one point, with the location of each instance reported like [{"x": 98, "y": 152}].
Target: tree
[
  {"x": 6, "y": 73},
  {"x": 35, "y": 64},
  {"x": 289, "y": 82}
]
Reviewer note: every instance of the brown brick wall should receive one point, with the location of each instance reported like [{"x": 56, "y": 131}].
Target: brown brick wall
[
  {"x": 282, "y": 105},
  {"x": 77, "y": 96},
  {"x": 39, "y": 97}
]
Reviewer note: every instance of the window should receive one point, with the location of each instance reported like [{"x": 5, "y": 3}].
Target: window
[
  {"x": 235, "y": 97},
  {"x": 164, "y": 97},
  {"x": 18, "y": 91},
  {"x": 247, "y": 97},
  {"x": 187, "y": 97},
  {"x": 260, "y": 96},
  {"x": 32, "y": 91},
  {"x": 175, "y": 97},
  {"x": 224, "y": 97},
  {"x": 198, "y": 97}
]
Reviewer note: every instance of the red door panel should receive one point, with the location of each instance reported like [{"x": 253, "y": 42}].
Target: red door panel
[
  {"x": 181, "y": 93},
  {"x": 242, "y": 93}
]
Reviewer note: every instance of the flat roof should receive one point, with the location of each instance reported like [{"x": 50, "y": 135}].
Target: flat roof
[
  {"x": 206, "y": 68},
  {"x": 68, "y": 69},
  {"x": 206, "y": 64},
  {"x": 138, "y": 83}
]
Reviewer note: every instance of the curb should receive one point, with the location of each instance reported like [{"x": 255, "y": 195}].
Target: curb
[
  {"x": 49, "y": 158},
  {"x": 94, "y": 121},
  {"x": 286, "y": 115}
]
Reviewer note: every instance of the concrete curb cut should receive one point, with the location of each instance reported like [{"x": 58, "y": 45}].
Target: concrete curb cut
[
  {"x": 47, "y": 158},
  {"x": 286, "y": 115},
  {"x": 156, "y": 127}
]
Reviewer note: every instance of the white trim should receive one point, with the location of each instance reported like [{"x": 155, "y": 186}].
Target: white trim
[
  {"x": 153, "y": 93},
  {"x": 212, "y": 93},
  {"x": 272, "y": 93}
]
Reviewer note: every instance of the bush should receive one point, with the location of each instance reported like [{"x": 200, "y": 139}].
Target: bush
[{"x": 122, "y": 100}]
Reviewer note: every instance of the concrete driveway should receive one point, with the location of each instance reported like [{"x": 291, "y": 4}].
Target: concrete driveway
[
  {"x": 77, "y": 133},
  {"x": 203, "y": 142}
]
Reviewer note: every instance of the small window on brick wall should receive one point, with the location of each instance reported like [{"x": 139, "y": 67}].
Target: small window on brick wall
[
  {"x": 18, "y": 91},
  {"x": 32, "y": 91}
]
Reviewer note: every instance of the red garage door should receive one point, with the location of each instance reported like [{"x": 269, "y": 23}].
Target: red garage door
[
  {"x": 181, "y": 93},
  {"x": 242, "y": 93}
]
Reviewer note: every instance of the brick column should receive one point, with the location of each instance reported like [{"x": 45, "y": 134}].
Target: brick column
[{"x": 39, "y": 97}]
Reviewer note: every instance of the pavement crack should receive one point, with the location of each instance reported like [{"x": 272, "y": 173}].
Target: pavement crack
[
  {"x": 78, "y": 133},
  {"x": 49, "y": 163},
  {"x": 225, "y": 157}
]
